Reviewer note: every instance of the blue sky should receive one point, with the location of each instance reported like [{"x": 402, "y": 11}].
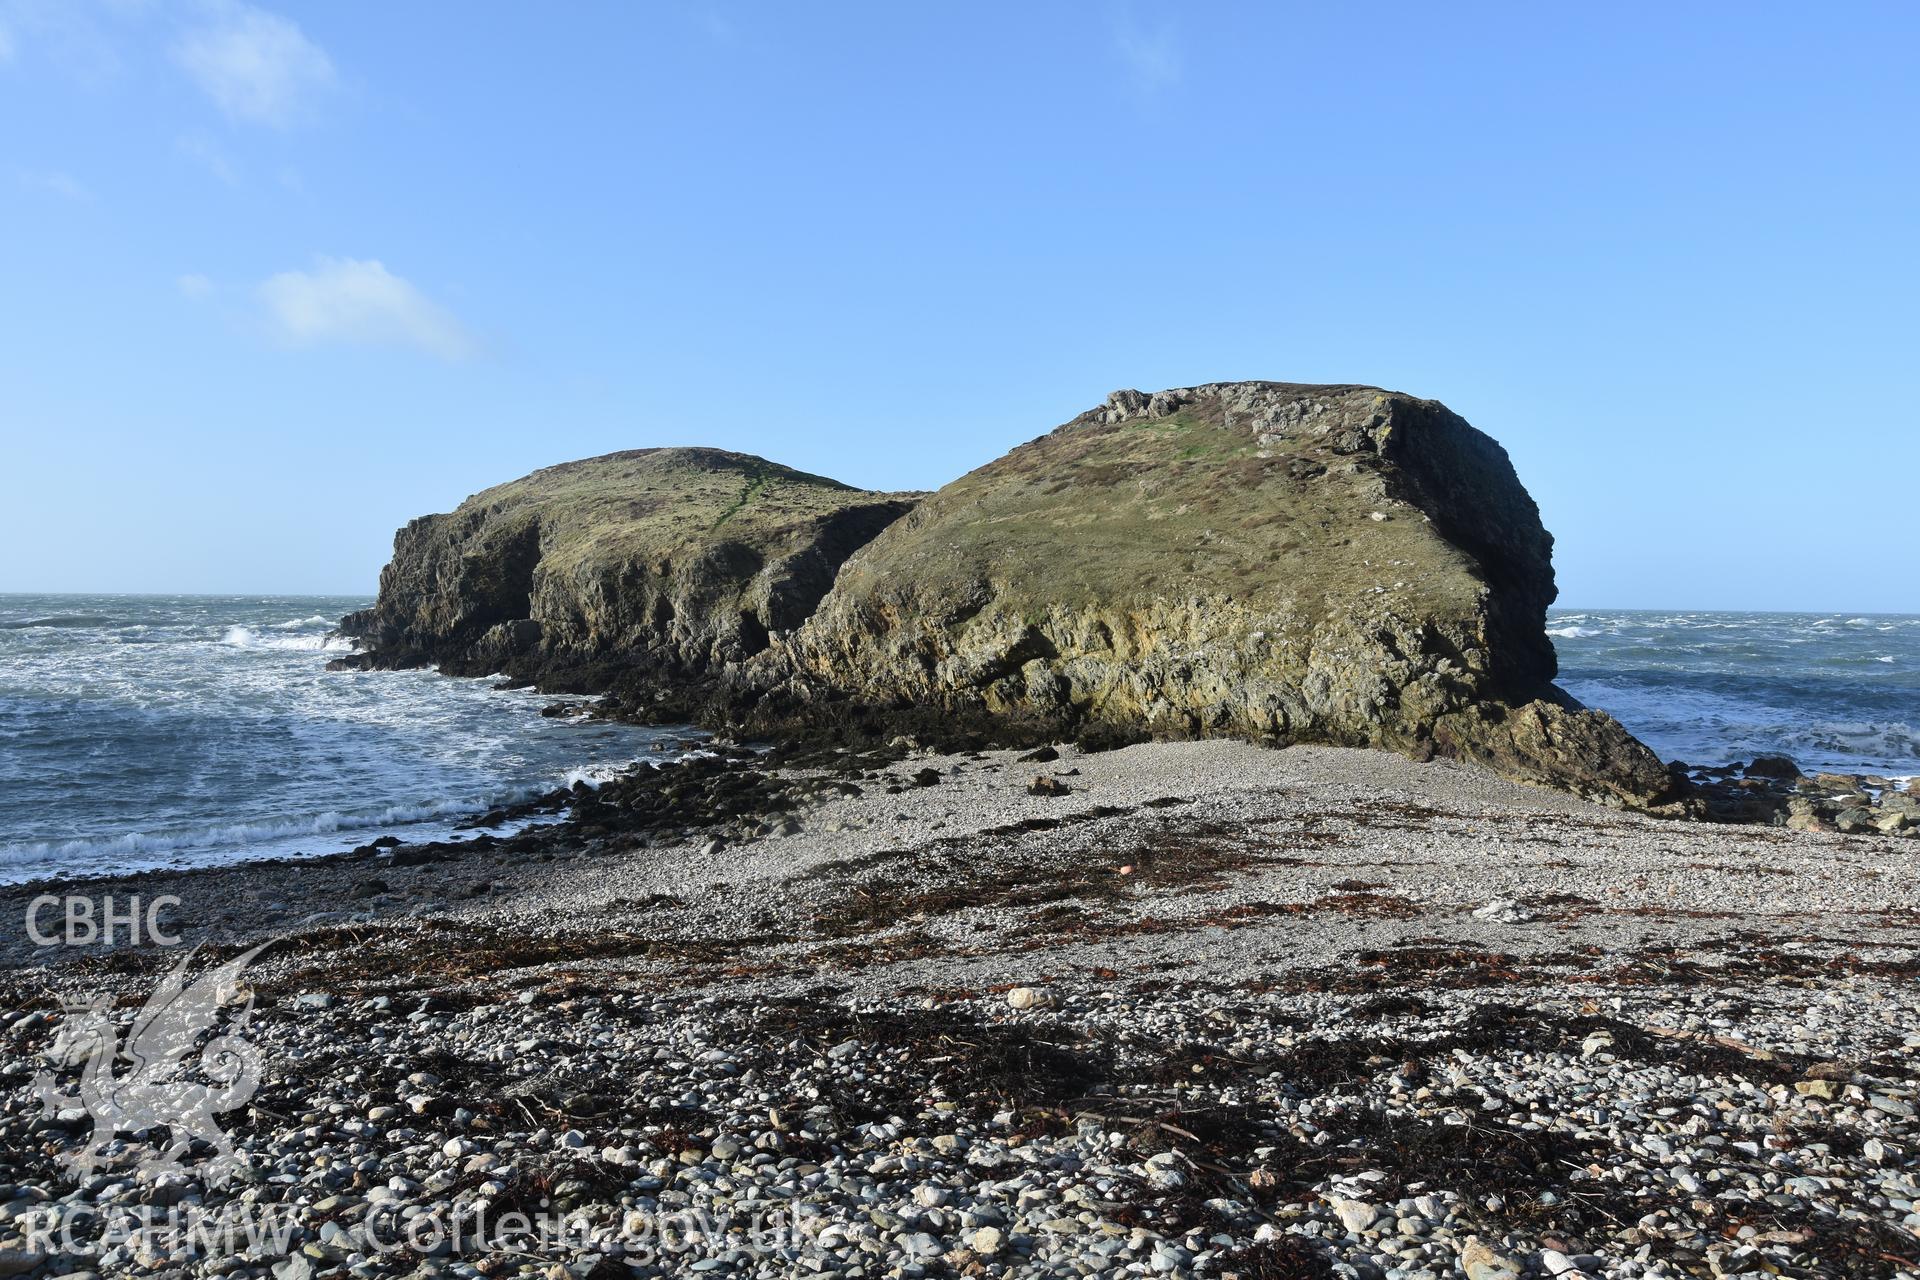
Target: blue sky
[{"x": 276, "y": 279}]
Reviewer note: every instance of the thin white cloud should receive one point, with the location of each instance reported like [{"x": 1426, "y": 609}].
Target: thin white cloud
[
  {"x": 78, "y": 40},
  {"x": 718, "y": 27},
  {"x": 204, "y": 152},
  {"x": 257, "y": 66},
  {"x": 347, "y": 300},
  {"x": 55, "y": 182},
  {"x": 1153, "y": 57},
  {"x": 193, "y": 285}
]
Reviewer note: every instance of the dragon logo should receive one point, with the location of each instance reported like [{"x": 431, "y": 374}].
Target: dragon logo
[{"x": 149, "y": 1083}]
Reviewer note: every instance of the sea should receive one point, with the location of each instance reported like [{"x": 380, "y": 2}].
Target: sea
[
  {"x": 141, "y": 732},
  {"x": 1834, "y": 691}
]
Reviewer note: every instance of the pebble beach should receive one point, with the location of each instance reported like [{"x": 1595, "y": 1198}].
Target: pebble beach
[{"x": 1177, "y": 1009}]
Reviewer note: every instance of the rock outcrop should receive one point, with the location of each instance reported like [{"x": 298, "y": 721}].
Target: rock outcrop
[
  {"x": 1334, "y": 564},
  {"x": 640, "y": 572}
]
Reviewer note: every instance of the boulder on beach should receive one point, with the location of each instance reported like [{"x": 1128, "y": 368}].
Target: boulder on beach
[
  {"x": 1779, "y": 767},
  {"x": 1335, "y": 564},
  {"x": 636, "y": 570}
]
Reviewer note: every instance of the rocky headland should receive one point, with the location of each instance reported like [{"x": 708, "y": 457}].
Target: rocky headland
[
  {"x": 1273, "y": 561},
  {"x": 639, "y": 573}
]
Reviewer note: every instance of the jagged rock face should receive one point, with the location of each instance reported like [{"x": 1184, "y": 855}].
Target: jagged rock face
[
  {"x": 1309, "y": 563},
  {"x": 649, "y": 565}
]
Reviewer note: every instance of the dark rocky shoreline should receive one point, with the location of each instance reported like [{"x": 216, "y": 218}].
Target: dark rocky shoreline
[{"x": 1771, "y": 790}]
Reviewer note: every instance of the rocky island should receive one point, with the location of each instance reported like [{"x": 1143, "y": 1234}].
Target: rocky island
[{"x": 1273, "y": 561}]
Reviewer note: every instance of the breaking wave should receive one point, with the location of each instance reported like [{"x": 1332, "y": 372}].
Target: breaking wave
[{"x": 247, "y": 638}]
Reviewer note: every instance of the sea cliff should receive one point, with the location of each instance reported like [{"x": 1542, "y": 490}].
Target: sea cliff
[{"x": 638, "y": 573}]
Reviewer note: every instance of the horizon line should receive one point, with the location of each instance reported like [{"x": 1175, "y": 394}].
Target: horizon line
[{"x": 372, "y": 595}]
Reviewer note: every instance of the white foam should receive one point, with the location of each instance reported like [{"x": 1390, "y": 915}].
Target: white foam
[
  {"x": 594, "y": 775},
  {"x": 1572, "y": 633},
  {"x": 246, "y": 833},
  {"x": 248, "y": 638}
]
